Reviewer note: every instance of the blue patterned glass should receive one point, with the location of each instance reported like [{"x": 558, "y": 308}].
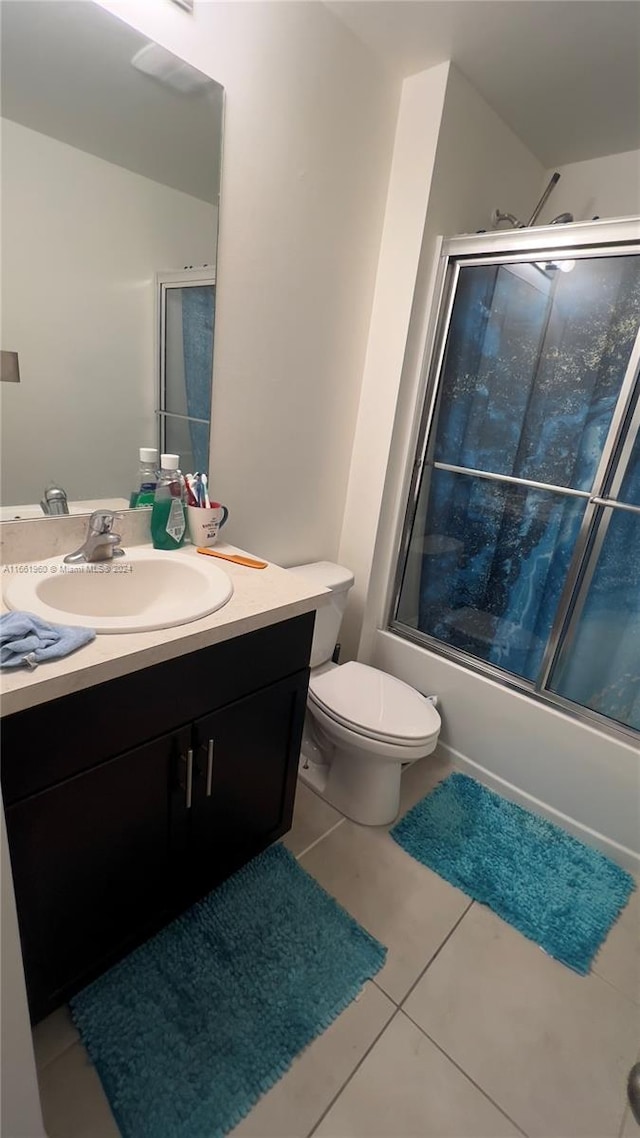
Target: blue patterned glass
[
  {"x": 534, "y": 363},
  {"x": 489, "y": 568},
  {"x": 601, "y": 670}
]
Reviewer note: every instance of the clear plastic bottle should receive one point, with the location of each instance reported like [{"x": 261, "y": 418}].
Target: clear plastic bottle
[
  {"x": 147, "y": 476},
  {"x": 168, "y": 516}
]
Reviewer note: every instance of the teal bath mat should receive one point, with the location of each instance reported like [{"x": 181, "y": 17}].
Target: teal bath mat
[
  {"x": 561, "y": 894},
  {"x": 190, "y": 1029}
]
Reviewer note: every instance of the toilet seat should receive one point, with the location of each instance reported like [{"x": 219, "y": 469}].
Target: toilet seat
[
  {"x": 374, "y": 705},
  {"x": 394, "y": 752}
]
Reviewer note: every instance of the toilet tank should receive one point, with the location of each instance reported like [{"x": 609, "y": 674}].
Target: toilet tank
[{"x": 328, "y": 616}]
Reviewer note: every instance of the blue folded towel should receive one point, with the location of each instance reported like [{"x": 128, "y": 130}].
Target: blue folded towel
[{"x": 25, "y": 639}]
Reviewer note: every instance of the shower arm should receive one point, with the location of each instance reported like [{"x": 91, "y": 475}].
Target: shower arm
[
  {"x": 499, "y": 216},
  {"x": 553, "y": 181}
]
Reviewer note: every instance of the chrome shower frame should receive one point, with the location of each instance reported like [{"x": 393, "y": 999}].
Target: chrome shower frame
[{"x": 578, "y": 240}]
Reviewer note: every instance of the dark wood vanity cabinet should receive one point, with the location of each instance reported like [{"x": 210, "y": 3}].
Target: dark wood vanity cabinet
[
  {"x": 128, "y": 801},
  {"x": 241, "y": 781},
  {"x": 92, "y": 862}
]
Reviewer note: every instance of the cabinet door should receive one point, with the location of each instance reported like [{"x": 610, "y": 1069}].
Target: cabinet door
[
  {"x": 246, "y": 763},
  {"x": 94, "y": 860}
]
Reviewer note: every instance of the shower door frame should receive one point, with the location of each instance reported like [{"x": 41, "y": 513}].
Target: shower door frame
[
  {"x": 578, "y": 240},
  {"x": 164, "y": 282}
]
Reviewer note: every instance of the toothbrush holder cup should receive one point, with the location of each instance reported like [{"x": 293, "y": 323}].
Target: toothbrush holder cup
[{"x": 205, "y": 523}]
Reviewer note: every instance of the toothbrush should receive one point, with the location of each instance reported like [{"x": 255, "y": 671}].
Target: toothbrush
[
  {"x": 207, "y": 501},
  {"x": 191, "y": 498}
]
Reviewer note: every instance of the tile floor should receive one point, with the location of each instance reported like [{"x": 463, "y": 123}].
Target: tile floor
[{"x": 469, "y": 1031}]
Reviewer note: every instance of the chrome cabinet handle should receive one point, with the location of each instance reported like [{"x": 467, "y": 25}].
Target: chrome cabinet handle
[
  {"x": 209, "y": 767},
  {"x": 189, "y": 779}
]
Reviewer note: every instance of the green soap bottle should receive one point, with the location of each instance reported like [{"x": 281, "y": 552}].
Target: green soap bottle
[
  {"x": 147, "y": 478},
  {"x": 168, "y": 515}
]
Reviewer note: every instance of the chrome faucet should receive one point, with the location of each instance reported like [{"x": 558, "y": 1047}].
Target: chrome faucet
[
  {"x": 54, "y": 501},
  {"x": 101, "y": 543}
]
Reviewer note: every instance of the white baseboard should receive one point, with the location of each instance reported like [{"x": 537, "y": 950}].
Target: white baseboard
[{"x": 625, "y": 857}]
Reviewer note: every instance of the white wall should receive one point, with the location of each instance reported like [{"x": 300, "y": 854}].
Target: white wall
[
  {"x": 480, "y": 164},
  {"x": 602, "y": 187},
  {"x": 419, "y": 124},
  {"x": 82, "y": 240},
  {"x": 309, "y": 124},
  {"x": 478, "y": 160}
]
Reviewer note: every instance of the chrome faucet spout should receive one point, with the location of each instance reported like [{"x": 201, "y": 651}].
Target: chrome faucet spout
[
  {"x": 54, "y": 502},
  {"x": 101, "y": 543}
]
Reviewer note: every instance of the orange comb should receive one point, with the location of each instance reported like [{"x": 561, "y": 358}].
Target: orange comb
[{"x": 250, "y": 562}]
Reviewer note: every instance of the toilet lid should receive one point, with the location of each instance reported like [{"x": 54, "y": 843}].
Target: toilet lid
[{"x": 374, "y": 703}]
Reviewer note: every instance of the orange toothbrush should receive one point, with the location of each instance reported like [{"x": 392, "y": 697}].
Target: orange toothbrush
[{"x": 251, "y": 562}]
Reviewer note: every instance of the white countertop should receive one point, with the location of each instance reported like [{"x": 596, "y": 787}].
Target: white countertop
[{"x": 260, "y": 597}]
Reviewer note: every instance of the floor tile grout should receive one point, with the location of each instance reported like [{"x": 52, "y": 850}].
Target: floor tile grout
[
  {"x": 397, "y": 1010},
  {"x": 465, "y": 1073},
  {"x": 317, "y": 841},
  {"x": 636, "y": 1003},
  {"x": 52, "y": 1058},
  {"x": 43, "y": 1066},
  {"x": 435, "y": 954},
  {"x": 399, "y": 1003},
  {"x": 352, "y": 1073},
  {"x": 381, "y": 989}
]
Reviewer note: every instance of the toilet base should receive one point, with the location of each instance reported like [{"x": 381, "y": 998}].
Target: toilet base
[
  {"x": 359, "y": 777},
  {"x": 363, "y": 789}
]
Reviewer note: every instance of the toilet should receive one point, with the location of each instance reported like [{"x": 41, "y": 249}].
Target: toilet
[{"x": 362, "y": 725}]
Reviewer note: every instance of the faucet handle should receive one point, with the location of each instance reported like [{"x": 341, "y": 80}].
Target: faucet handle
[
  {"x": 101, "y": 525},
  {"x": 102, "y": 521},
  {"x": 101, "y": 543}
]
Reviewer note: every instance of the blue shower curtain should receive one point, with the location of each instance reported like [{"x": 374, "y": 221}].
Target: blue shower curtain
[{"x": 198, "y": 316}]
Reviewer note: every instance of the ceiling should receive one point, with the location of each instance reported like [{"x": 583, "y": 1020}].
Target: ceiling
[
  {"x": 563, "y": 74},
  {"x": 66, "y": 72}
]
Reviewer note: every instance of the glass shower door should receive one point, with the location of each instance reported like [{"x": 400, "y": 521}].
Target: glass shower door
[
  {"x": 527, "y": 414},
  {"x": 599, "y": 662},
  {"x": 186, "y": 304}
]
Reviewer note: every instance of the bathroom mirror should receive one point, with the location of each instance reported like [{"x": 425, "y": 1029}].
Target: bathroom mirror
[{"x": 111, "y": 153}]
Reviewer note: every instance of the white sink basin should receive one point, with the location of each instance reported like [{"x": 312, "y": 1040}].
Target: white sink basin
[{"x": 145, "y": 590}]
